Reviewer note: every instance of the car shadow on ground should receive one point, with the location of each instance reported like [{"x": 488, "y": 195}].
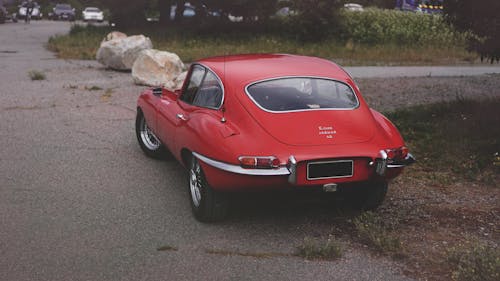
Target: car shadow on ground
[{"x": 311, "y": 204}]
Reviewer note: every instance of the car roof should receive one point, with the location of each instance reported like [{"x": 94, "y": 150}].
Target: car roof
[{"x": 248, "y": 68}]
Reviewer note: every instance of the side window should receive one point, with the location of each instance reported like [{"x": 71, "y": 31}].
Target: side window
[
  {"x": 195, "y": 80},
  {"x": 203, "y": 89},
  {"x": 210, "y": 92}
]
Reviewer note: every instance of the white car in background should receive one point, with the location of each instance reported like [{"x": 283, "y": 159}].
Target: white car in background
[
  {"x": 353, "y": 7},
  {"x": 92, "y": 14},
  {"x": 35, "y": 12}
]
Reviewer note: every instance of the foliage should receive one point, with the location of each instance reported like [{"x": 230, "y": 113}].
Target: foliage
[
  {"x": 192, "y": 44},
  {"x": 374, "y": 231},
  {"x": 460, "y": 137},
  {"x": 481, "y": 17},
  {"x": 475, "y": 262},
  {"x": 376, "y": 26},
  {"x": 315, "y": 249},
  {"x": 81, "y": 43}
]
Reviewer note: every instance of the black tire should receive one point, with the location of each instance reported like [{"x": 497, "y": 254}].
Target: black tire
[
  {"x": 367, "y": 196},
  {"x": 149, "y": 143},
  {"x": 207, "y": 204}
]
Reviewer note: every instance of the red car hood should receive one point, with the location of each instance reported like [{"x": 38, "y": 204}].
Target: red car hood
[{"x": 318, "y": 127}]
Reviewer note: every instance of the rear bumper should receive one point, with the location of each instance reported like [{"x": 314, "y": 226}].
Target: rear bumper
[{"x": 227, "y": 176}]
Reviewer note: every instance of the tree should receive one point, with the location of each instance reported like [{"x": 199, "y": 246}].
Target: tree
[
  {"x": 315, "y": 19},
  {"x": 480, "y": 17},
  {"x": 127, "y": 13}
]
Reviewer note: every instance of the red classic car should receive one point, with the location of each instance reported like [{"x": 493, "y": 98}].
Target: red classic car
[{"x": 249, "y": 122}]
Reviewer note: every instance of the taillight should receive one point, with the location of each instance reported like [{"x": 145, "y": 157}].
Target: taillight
[
  {"x": 259, "y": 162},
  {"x": 399, "y": 153}
]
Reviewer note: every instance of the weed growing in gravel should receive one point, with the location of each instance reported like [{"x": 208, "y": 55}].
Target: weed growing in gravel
[
  {"x": 36, "y": 75},
  {"x": 107, "y": 95},
  {"x": 372, "y": 230},
  {"x": 475, "y": 262},
  {"x": 315, "y": 249}
]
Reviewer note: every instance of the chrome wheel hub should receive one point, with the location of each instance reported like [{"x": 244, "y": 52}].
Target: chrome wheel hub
[
  {"x": 148, "y": 137},
  {"x": 195, "y": 184}
]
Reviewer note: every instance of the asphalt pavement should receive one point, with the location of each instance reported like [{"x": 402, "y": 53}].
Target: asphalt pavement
[{"x": 80, "y": 201}]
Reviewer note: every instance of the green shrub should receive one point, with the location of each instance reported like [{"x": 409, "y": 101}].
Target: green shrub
[{"x": 376, "y": 26}]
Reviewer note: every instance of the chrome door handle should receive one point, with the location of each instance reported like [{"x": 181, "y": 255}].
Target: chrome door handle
[{"x": 181, "y": 116}]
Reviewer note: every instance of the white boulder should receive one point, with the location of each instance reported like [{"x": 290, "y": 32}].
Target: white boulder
[
  {"x": 120, "y": 52},
  {"x": 114, "y": 35},
  {"x": 179, "y": 80},
  {"x": 157, "y": 68}
]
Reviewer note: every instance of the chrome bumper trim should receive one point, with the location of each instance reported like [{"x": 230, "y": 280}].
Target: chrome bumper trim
[
  {"x": 400, "y": 164},
  {"x": 292, "y": 167},
  {"x": 281, "y": 171}
]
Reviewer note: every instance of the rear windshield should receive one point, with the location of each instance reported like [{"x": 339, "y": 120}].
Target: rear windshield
[
  {"x": 302, "y": 93},
  {"x": 92, "y": 10}
]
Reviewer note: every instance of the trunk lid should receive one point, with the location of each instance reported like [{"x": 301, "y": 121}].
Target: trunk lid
[{"x": 318, "y": 127}]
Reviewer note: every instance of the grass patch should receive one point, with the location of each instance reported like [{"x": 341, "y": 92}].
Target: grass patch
[
  {"x": 475, "y": 262},
  {"x": 373, "y": 230},
  {"x": 35, "y": 75},
  {"x": 315, "y": 249},
  {"x": 81, "y": 42},
  {"x": 458, "y": 139},
  {"x": 192, "y": 44}
]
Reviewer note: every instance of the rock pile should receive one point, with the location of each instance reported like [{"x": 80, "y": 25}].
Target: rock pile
[{"x": 149, "y": 67}]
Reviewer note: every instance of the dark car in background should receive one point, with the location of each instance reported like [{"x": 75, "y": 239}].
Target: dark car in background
[
  {"x": 5, "y": 16},
  {"x": 63, "y": 12}
]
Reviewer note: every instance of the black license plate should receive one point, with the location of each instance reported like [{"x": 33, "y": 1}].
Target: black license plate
[{"x": 329, "y": 169}]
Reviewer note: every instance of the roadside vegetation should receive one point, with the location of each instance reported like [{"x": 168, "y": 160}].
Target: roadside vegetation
[
  {"x": 457, "y": 140},
  {"x": 313, "y": 249},
  {"x": 373, "y": 37},
  {"x": 441, "y": 216},
  {"x": 36, "y": 75}
]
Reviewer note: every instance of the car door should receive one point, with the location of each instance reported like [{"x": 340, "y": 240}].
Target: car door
[{"x": 185, "y": 120}]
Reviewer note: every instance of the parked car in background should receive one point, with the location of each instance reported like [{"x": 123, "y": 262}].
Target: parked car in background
[
  {"x": 271, "y": 121},
  {"x": 63, "y": 12},
  {"x": 92, "y": 14},
  {"x": 189, "y": 11},
  {"x": 5, "y": 16},
  {"x": 353, "y": 7},
  {"x": 36, "y": 13}
]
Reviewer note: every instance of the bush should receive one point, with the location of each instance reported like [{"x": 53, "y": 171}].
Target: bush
[{"x": 376, "y": 26}]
